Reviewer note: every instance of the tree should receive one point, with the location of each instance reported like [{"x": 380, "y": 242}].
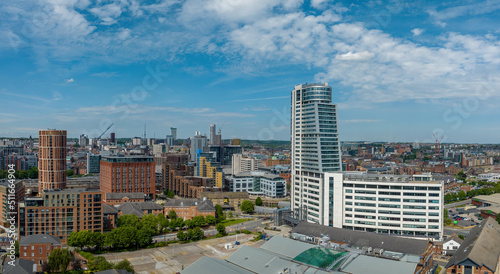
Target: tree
[
  {"x": 172, "y": 215},
  {"x": 198, "y": 234},
  {"x": 124, "y": 236},
  {"x": 247, "y": 206},
  {"x": 461, "y": 237},
  {"x": 162, "y": 223},
  {"x": 498, "y": 218},
  {"x": 169, "y": 193},
  {"x": 69, "y": 172},
  {"x": 210, "y": 219},
  {"x": 99, "y": 263},
  {"x": 221, "y": 229},
  {"x": 199, "y": 221},
  {"x": 75, "y": 239},
  {"x": 125, "y": 265},
  {"x": 128, "y": 220},
  {"x": 46, "y": 267},
  {"x": 16, "y": 248},
  {"x": 181, "y": 236},
  {"x": 144, "y": 236},
  {"x": 219, "y": 214},
  {"x": 150, "y": 221},
  {"x": 258, "y": 201},
  {"x": 97, "y": 240},
  {"x": 59, "y": 259}
]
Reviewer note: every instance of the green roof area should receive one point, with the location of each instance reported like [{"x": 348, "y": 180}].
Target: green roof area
[{"x": 319, "y": 256}]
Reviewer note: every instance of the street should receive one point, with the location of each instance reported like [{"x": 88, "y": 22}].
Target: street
[{"x": 464, "y": 202}]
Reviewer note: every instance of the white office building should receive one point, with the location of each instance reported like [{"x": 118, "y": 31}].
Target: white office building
[
  {"x": 315, "y": 150},
  {"x": 259, "y": 183},
  {"x": 410, "y": 206},
  {"x": 241, "y": 164}
]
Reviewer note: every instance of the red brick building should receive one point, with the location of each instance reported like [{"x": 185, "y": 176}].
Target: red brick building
[
  {"x": 52, "y": 160},
  {"x": 128, "y": 174},
  {"x": 190, "y": 208},
  {"x": 120, "y": 198},
  {"x": 37, "y": 247}
]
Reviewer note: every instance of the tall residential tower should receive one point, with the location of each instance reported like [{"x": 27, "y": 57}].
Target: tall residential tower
[
  {"x": 52, "y": 160},
  {"x": 315, "y": 151}
]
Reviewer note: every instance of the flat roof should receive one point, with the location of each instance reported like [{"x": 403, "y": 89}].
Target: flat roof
[
  {"x": 491, "y": 199},
  {"x": 286, "y": 247},
  {"x": 373, "y": 265}
]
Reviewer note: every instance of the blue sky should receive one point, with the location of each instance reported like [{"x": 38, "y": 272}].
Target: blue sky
[{"x": 400, "y": 70}]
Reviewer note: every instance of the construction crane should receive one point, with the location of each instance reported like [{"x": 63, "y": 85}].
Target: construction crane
[
  {"x": 104, "y": 131},
  {"x": 438, "y": 145}
]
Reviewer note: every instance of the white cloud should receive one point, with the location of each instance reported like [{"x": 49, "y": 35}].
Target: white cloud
[
  {"x": 71, "y": 80},
  {"x": 358, "y": 56},
  {"x": 477, "y": 8},
  {"x": 417, "y": 31},
  {"x": 107, "y": 13}
]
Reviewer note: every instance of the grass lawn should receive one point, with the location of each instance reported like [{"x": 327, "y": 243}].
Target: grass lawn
[{"x": 235, "y": 221}]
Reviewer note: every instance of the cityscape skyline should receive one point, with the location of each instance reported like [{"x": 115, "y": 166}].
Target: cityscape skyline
[{"x": 398, "y": 71}]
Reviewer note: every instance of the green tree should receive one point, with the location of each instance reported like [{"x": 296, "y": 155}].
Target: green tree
[
  {"x": 144, "y": 236},
  {"x": 75, "y": 239},
  {"x": 247, "y": 206},
  {"x": 97, "y": 240},
  {"x": 172, "y": 215},
  {"x": 33, "y": 173},
  {"x": 70, "y": 172},
  {"x": 182, "y": 236},
  {"x": 461, "y": 237},
  {"x": 221, "y": 229},
  {"x": 150, "y": 221},
  {"x": 189, "y": 223},
  {"x": 169, "y": 193},
  {"x": 16, "y": 248},
  {"x": 210, "y": 219},
  {"x": 99, "y": 263},
  {"x": 219, "y": 214},
  {"x": 258, "y": 201},
  {"x": 199, "y": 221},
  {"x": 59, "y": 259},
  {"x": 197, "y": 234},
  {"x": 125, "y": 236},
  {"x": 128, "y": 220},
  {"x": 162, "y": 223},
  {"x": 125, "y": 265},
  {"x": 498, "y": 218}
]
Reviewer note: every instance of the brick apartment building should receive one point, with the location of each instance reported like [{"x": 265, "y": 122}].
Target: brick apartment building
[
  {"x": 128, "y": 174},
  {"x": 59, "y": 212},
  {"x": 52, "y": 160},
  {"x": 193, "y": 186},
  {"x": 37, "y": 248},
  {"x": 4, "y": 200},
  {"x": 174, "y": 165}
]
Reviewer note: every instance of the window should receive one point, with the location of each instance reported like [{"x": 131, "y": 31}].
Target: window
[{"x": 40, "y": 250}]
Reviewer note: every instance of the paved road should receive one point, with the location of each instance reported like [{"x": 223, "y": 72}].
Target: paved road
[
  {"x": 459, "y": 231},
  {"x": 464, "y": 202},
  {"x": 250, "y": 225}
]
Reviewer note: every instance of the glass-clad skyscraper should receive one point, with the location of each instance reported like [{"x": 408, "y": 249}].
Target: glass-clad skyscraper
[{"x": 315, "y": 150}]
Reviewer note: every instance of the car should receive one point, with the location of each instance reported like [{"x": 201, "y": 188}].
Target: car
[{"x": 465, "y": 218}]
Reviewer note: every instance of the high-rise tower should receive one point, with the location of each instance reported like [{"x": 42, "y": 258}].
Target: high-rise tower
[
  {"x": 315, "y": 150},
  {"x": 212, "y": 134},
  {"x": 52, "y": 160}
]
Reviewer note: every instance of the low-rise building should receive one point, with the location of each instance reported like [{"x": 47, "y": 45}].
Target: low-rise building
[
  {"x": 451, "y": 244},
  {"x": 228, "y": 200},
  {"x": 480, "y": 251},
  {"x": 109, "y": 217},
  {"x": 140, "y": 209},
  {"x": 120, "y": 198},
  {"x": 190, "y": 208},
  {"x": 373, "y": 242},
  {"x": 37, "y": 247},
  {"x": 259, "y": 183},
  {"x": 20, "y": 266}
]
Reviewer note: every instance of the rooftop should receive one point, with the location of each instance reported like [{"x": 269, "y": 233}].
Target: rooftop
[
  {"x": 481, "y": 247},
  {"x": 119, "y": 196},
  {"x": 362, "y": 239},
  {"x": 491, "y": 199},
  {"x": 40, "y": 239},
  {"x": 138, "y": 208}
]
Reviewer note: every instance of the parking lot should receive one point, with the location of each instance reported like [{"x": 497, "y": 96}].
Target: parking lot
[{"x": 174, "y": 258}]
